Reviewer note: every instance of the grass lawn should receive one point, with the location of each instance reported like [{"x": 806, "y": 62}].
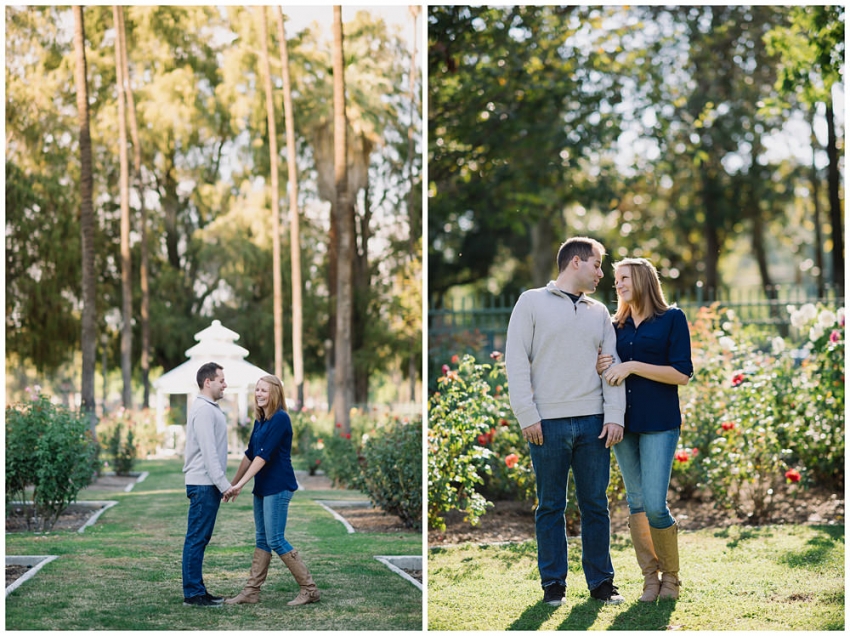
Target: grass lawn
[
  {"x": 124, "y": 573},
  {"x": 769, "y": 578}
]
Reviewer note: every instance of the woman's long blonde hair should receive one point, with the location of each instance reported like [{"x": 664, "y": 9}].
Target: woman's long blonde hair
[
  {"x": 647, "y": 296},
  {"x": 277, "y": 400}
]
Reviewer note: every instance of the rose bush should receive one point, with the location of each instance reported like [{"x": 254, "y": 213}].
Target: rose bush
[
  {"x": 761, "y": 413},
  {"x": 758, "y": 409},
  {"x": 476, "y": 452}
]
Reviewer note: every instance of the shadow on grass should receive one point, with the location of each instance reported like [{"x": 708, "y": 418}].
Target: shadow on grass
[
  {"x": 645, "y": 617},
  {"x": 533, "y": 617},
  {"x": 741, "y": 535},
  {"x": 819, "y": 550},
  {"x": 582, "y": 616}
]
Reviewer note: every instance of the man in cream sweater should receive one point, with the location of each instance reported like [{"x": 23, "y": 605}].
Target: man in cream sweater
[
  {"x": 568, "y": 415},
  {"x": 204, "y": 469}
]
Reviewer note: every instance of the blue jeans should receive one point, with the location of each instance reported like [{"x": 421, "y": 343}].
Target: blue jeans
[
  {"x": 572, "y": 443},
  {"x": 204, "y": 502},
  {"x": 646, "y": 459},
  {"x": 270, "y": 521}
]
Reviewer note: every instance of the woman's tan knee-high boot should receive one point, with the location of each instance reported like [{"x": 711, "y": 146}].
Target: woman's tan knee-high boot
[
  {"x": 259, "y": 570},
  {"x": 645, "y": 552},
  {"x": 666, "y": 544},
  {"x": 309, "y": 592}
]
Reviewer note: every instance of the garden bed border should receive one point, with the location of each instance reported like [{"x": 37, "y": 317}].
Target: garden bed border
[{"x": 36, "y": 561}]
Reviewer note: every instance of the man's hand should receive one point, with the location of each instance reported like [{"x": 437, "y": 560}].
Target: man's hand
[
  {"x": 613, "y": 433},
  {"x": 231, "y": 494},
  {"x": 534, "y": 434}
]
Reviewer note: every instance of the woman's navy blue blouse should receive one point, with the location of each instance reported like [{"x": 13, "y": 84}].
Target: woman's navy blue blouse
[
  {"x": 272, "y": 440},
  {"x": 661, "y": 340}
]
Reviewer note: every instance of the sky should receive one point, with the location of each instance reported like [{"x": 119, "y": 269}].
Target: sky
[{"x": 395, "y": 13}]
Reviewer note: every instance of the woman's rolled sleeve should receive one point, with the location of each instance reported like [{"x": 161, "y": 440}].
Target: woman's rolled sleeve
[{"x": 680, "y": 345}]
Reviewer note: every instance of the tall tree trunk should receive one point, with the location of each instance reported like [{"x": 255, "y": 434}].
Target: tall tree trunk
[
  {"x": 87, "y": 225},
  {"x": 294, "y": 221},
  {"x": 343, "y": 372},
  {"x": 413, "y": 225},
  {"x": 126, "y": 261},
  {"x": 752, "y": 208},
  {"x": 710, "y": 199},
  {"x": 835, "y": 212},
  {"x": 542, "y": 261},
  {"x": 815, "y": 180},
  {"x": 275, "y": 195},
  {"x": 361, "y": 297},
  {"x": 143, "y": 222}
]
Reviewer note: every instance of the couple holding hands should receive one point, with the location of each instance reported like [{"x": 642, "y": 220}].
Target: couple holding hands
[{"x": 267, "y": 461}]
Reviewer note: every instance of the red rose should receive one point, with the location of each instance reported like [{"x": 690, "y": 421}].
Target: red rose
[
  {"x": 682, "y": 456},
  {"x": 737, "y": 379},
  {"x": 504, "y": 422},
  {"x": 694, "y": 452},
  {"x": 792, "y": 476},
  {"x": 727, "y": 426},
  {"x": 455, "y": 359},
  {"x": 511, "y": 460},
  {"x": 483, "y": 439}
]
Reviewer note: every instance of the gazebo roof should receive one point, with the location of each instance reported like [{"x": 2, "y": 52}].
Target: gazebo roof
[{"x": 216, "y": 343}]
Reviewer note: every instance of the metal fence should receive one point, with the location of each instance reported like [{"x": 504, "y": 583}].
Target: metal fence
[{"x": 481, "y": 323}]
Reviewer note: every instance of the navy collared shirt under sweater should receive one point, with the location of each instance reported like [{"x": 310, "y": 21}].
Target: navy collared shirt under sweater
[
  {"x": 661, "y": 340},
  {"x": 272, "y": 440}
]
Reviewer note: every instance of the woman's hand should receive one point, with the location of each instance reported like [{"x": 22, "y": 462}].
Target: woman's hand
[
  {"x": 603, "y": 362},
  {"x": 231, "y": 493},
  {"x": 617, "y": 373}
]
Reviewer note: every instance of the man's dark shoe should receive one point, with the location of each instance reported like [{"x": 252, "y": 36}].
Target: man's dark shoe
[
  {"x": 218, "y": 600},
  {"x": 608, "y": 593},
  {"x": 554, "y": 594},
  {"x": 204, "y": 600}
]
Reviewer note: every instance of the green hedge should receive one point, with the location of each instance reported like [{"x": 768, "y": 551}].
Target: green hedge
[
  {"x": 391, "y": 470},
  {"x": 50, "y": 450}
]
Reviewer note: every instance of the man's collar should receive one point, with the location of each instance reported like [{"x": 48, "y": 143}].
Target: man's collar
[{"x": 553, "y": 287}]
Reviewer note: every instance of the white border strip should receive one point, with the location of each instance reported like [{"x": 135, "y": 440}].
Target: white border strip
[
  {"x": 141, "y": 478},
  {"x": 26, "y": 560},
  {"x": 387, "y": 560},
  {"x": 106, "y": 506},
  {"x": 337, "y": 516}
]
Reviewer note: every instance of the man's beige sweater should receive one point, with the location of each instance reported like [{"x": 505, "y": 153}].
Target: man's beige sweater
[{"x": 550, "y": 358}]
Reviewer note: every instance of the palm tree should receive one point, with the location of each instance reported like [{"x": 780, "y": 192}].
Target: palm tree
[
  {"x": 343, "y": 367},
  {"x": 89, "y": 329},
  {"x": 294, "y": 229},
  {"x": 124, "y": 181},
  {"x": 144, "y": 265},
  {"x": 277, "y": 283}
]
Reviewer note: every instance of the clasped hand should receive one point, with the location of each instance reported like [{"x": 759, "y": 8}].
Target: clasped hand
[
  {"x": 231, "y": 493},
  {"x": 613, "y": 374}
]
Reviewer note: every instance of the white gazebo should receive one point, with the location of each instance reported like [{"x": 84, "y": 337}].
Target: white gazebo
[{"x": 217, "y": 344}]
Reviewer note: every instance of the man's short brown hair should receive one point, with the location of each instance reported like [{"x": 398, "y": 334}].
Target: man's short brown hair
[
  {"x": 207, "y": 371},
  {"x": 580, "y": 246}
]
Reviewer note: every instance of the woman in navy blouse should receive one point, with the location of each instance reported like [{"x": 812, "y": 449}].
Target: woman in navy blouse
[
  {"x": 268, "y": 460},
  {"x": 654, "y": 346}
]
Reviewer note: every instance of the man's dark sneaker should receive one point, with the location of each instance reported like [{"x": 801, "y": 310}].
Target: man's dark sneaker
[
  {"x": 608, "y": 593},
  {"x": 218, "y": 600},
  {"x": 554, "y": 594},
  {"x": 203, "y": 600}
]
